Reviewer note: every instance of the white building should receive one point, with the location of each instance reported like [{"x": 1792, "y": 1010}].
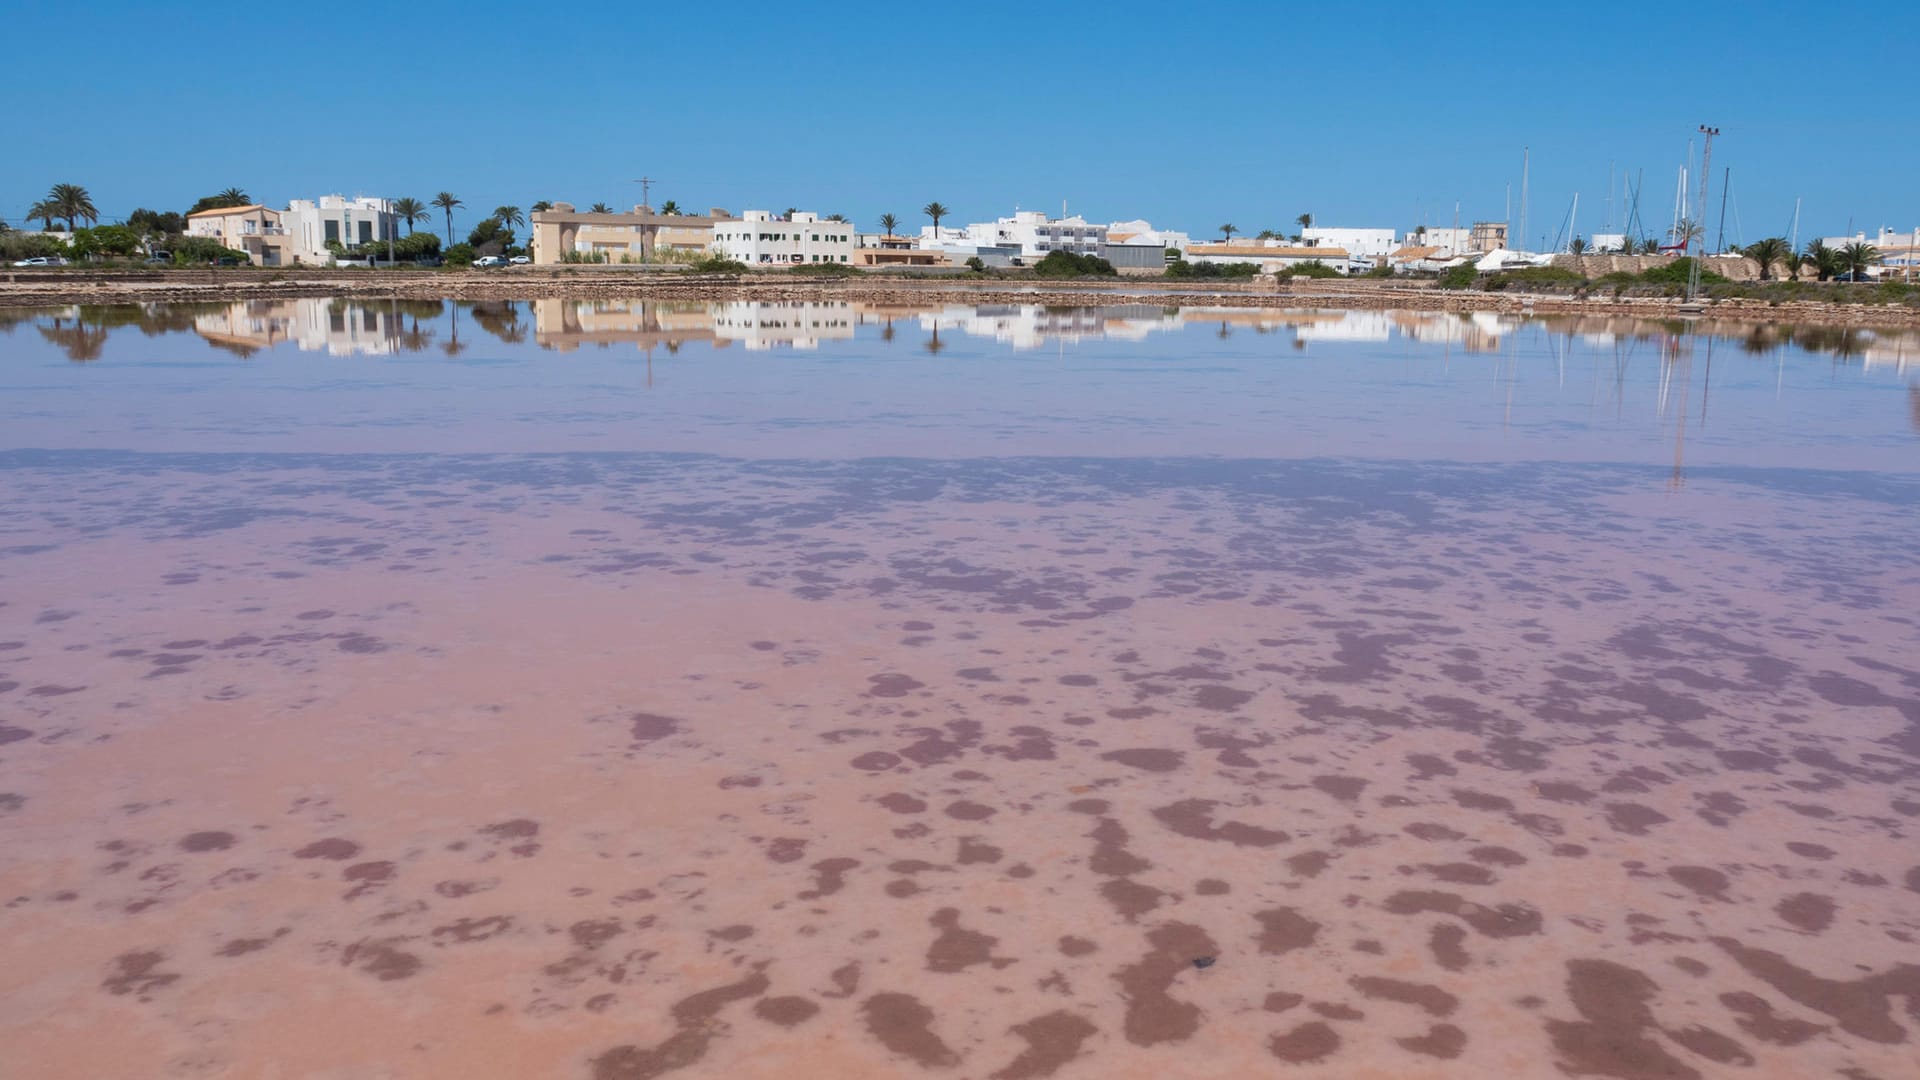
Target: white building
[
  {"x": 1141, "y": 231},
  {"x": 1033, "y": 232},
  {"x": 761, "y": 238},
  {"x": 1450, "y": 241},
  {"x": 1358, "y": 243},
  {"x": 312, "y": 223},
  {"x": 797, "y": 324}
]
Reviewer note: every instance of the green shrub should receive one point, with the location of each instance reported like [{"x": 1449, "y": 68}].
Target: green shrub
[
  {"x": 1676, "y": 272},
  {"x": 1384, "y": 270},
  {"x": 719, "y": 264},
  {"x": 1065, "y": 264},
  {"x": 199, "y": 250},
  {"x": 1312, "y": 268},
  {"x": 460, "y": 255},
  {"x": 1181, "y": 268},
  {"x": 1534, "y": 275},
  {"x": 1459, "y": 277},
  {"x": 593, "y": 257},
  {"x": 15, "y": 246},
  {"x": 823, "y": 270},
  {"x": 975, "y": 264}
]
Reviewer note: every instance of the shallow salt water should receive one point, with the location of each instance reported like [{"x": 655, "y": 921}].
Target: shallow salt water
[{"x": 620, "y": 690}]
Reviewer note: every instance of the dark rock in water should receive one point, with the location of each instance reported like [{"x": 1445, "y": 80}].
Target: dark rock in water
[{"x": 1203, "y": 962}]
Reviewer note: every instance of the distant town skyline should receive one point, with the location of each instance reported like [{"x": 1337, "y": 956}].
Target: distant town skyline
[{"x": 1379, "y": 115}]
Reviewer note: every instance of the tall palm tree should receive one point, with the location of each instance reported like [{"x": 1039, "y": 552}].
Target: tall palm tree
[
  {"x": 936, "y": 211},
  {"x": 233, "y": 196},
  {"x": 599, "y": 208},
  {"x": 509, "y": 216},
  {"x": 1856, "y": 257},
  {"x": 72, "y": 202},
  {"x": 1768, "y": 251},
  {"x": 888, "y": 223},
  {"x": 410, "y": 210},
  {"x": 670, "y": 208},
  {"x": 1305, "y": 221},
  {"x": 449, "y": 202},
  {"x": 1226, "y": 233},
  {"x": 46, "y": 211}
]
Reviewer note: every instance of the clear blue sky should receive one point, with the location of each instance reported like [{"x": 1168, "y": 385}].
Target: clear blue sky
[{"x": 1187, "y": 114}]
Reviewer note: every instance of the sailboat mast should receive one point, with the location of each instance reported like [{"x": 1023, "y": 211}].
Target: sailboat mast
[
  {"x": 1793, "y": 233},
  {"x": 1526, "y": 159}
]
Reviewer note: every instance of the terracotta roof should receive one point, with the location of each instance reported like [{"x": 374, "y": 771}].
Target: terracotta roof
[
  {"x": 1258, "y": 251},
  {"x": 1415, "y": 252},
  {"x": 1120, "y": 237},
  {"x": 221, "y": 211}
]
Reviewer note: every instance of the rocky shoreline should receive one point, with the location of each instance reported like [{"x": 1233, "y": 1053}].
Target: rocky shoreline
[{"x": 62, "y": 288}]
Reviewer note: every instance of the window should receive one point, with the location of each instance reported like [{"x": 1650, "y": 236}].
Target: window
[
  {"x": 366, "y": 232},
  {"x": 333, "y": 232}
]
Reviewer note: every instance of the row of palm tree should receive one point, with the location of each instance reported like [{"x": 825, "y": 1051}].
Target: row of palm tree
[{"x": 65, "y": 201}]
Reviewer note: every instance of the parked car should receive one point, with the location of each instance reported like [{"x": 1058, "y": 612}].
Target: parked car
[
  {"x": 42, "y": 260},
  {"x": 520, "y": 260},
  {"x": 159, "y": 258},
  {"x": 487, "y": 262}
]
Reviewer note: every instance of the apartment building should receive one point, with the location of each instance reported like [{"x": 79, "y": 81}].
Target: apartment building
[
  {"x": 253, "y": 230},
  {"x": 1033, "y": 232},
  {"x": 761, "y": 238},
  {"x": 312, "y": 224},
  {"x": 638, "y": 236}
]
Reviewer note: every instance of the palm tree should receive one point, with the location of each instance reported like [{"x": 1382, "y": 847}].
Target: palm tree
[
  {"x": 449, "y": 202},
  {"x": 1686, "y": 232},
  {"x": 936, "y": 211},
  {"x": 599, "y": 208},
  {"x": 888, "y": 223},
  {"x": 1266, "y": 234},
  {"x": 410, "y": 210},
  {"x": 1577, "y": 245},
  {"x": 670, "y": 208},
  {"x": 1226, "y": 233},
  {"x": 1856, "y": 257},
  {"x": 509, "y": 216},
  {"x": 791, "y": 210},
  {"x": 1768, "y": 251},
  {"x": 1305, "y": 221},
  {"x": 540, "y": 207},
  {"x": 46, "y": 211},
  {"x": 1824, "y": 260},
  {"x": 233, "y": 196},
  {"x": 72, "y": 202}
]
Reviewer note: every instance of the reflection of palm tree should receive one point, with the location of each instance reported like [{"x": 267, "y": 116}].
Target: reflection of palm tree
[
  {"x": 934, "y": 345},
  {"x": 81, "y": 340},
  {"x": 886, "y": 332},
  {"x": 452, "y": 346}
]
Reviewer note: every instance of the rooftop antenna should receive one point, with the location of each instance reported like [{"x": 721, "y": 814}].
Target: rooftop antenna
[{"x": 646, "y": 185}]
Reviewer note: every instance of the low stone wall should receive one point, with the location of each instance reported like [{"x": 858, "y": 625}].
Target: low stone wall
[{"x": 1733, "y": 268}]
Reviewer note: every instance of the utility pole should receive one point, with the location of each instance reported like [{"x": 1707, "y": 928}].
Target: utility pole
[
  {"x": 1726, "y": 188},
  {"x": 646, "y": 200},
  {"x": 1526, "y": 158},
  {"x": 1706, "y": 176}
]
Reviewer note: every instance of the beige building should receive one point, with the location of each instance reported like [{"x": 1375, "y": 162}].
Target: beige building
[
  {"x": 639, "y": 236},
  {"x": 252, "y": 230},
  {"x": 890, "y": 250}
]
